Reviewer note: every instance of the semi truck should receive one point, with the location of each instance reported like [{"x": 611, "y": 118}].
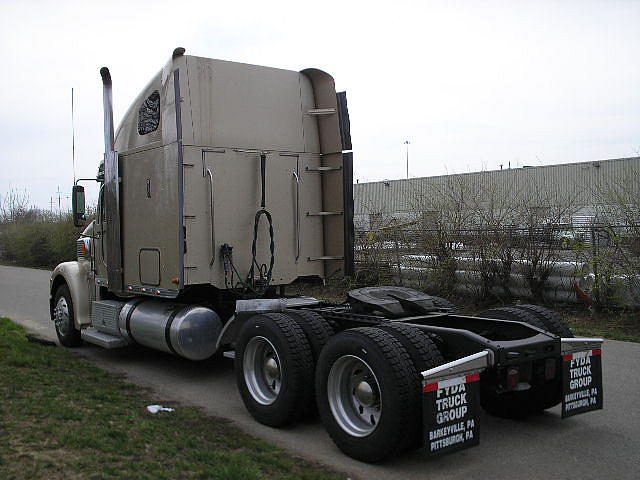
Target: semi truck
[{"x": 225, "y": 183}]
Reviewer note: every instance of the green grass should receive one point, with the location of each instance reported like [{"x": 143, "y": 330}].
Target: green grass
[
  {"x": 588, "y": 331},
  {"x": 63, "y": 418},
  {"x": 614, "y": 327}
]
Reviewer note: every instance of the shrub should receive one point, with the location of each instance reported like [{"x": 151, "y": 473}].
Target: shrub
[{"x": 43, "y": 241}]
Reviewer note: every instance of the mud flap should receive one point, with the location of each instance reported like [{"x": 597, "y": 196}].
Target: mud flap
[
  {"x": 450, "y": 404},
  {"x": 581, "y": 376}
]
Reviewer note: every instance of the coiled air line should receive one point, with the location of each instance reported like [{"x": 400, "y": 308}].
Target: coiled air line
[{"x": 252, "y": 286}]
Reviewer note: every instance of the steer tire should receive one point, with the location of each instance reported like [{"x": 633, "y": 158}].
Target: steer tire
[
  {"x": 424, "y": 354},
  {"x": 541, "y": 395},
  {"x": 285, "y": 397},
  {"x": 63, "y": 315},
  {"x": 375, "y": 358},
  {"x": 551, "y": 320},
  {"x": 444, "y": 303}
]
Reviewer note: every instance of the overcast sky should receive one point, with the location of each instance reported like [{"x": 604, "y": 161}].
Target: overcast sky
[{"x": 470, "y": 84}]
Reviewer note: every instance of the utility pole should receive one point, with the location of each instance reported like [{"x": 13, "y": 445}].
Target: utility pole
[
  {"x": 73, "y": 141},
  {"x": 406, "y": 142},
  {"x": 59, "y": 193}
]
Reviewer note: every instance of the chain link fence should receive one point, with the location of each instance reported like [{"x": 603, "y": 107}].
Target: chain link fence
[{"x": 595, "y": 263}]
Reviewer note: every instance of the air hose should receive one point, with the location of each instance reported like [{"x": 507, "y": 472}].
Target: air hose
[{"x": 252, "y": 286}]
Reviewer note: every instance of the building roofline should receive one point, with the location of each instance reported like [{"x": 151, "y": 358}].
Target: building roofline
[{"x": 518, "y": 169}]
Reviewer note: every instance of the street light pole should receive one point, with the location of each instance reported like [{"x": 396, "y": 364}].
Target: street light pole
[{"x": 406, "y": 142}]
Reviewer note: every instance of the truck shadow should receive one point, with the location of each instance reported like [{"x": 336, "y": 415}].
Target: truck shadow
[{"x": 153, "y": 360}]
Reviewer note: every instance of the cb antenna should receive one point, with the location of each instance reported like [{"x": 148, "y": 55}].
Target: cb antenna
[{"x": 73, "y": 140}]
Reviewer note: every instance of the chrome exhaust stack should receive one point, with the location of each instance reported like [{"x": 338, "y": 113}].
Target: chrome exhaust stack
[
  {"x": 107, "y": 102},
  {"x": 111, "y": 190}
]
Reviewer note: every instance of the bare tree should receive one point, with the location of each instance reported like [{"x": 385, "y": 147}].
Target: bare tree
[
  {"x": 14, "y": 207},
  {"x": 615, "y": 256},
  {"x": 443, "y": 213},
  {"x": 491, "y": 247},
  {"x": 541, "y": 212}
]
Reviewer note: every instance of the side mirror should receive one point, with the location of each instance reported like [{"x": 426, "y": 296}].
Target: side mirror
[{"x": 77, "y": 205}]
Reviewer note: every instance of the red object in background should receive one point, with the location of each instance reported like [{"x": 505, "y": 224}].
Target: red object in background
[{"x": 582, "y": 295}]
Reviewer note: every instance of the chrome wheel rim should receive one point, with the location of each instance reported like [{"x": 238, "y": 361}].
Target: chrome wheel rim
[
  {"x": 262, "y": 370},
  {"x": 354, "y": 396},
  {"x": 61, "y": 316}
]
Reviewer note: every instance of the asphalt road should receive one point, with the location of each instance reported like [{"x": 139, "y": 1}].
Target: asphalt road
[{"x": 595, "y": 445}]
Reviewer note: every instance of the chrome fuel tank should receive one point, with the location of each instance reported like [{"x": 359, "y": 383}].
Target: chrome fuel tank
[{"x": 190, "y": 331}]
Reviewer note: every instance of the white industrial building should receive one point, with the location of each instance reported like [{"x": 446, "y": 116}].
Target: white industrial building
[{"x": 582, "y": 185}]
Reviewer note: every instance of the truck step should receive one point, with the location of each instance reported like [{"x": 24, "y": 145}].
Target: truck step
[
  {"x": 326, "y": 257},
  {"x": 229, "y": 354},
  {"x": 102, "y": 339},
  {"x": 323, "y": 169},
  {"x": 322, "y": 214},
  {"x": 321, "y": 111}
]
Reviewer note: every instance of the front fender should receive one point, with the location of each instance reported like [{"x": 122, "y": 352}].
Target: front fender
[{"x": 76, "y": 276}]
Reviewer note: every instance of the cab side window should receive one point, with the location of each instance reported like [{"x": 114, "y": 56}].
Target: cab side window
[{"x": 149, "y": 114}]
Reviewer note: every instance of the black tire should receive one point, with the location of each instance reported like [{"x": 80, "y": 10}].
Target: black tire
[
  {"x": 551, "y": 320},
  {"x": 444, "y": 303},
  {"x": 385, "y": 366},
  {"x": 285, "y": 396},
  {"x": 424, "y": 354},
  {"x": 316, "y": 328},
  {"x": 541, "y": 395},
  {"x": 513, "y": 314},
  {"x": 318, "y": 332},
  {"x": 63, "y": 316}
]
